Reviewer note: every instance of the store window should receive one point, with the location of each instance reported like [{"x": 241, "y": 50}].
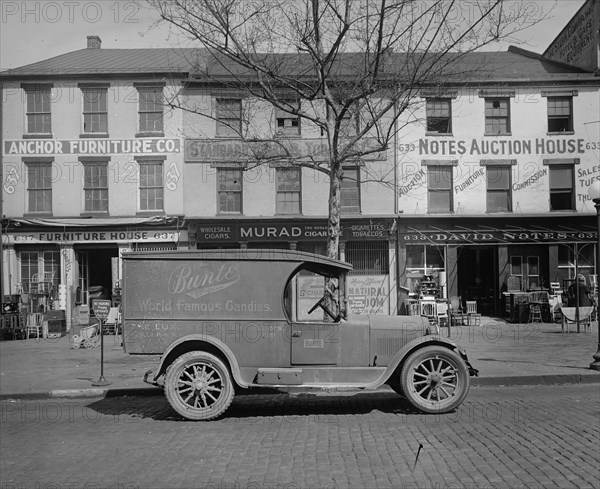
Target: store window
[
  {"x": 368, "y": 257},
  {"x": 574, "y": 259},
  {"x": 287, "y": 124},
  {"x": 439, "y": 189},
  {"x": 497, "y": 116},
  {"x": 560, "y": 114},
  {"x": 229, "y": 117},
  {"x": 95, "y": 186},
  {"x": 288, "y": 199},
  {"x": 423, "y": 261},
  {"x": 151, "y": 106},
  {"x": 439, "y": 115},
  {"x": 151, "y": 185},
  {"x": 95, "y": 111},
  {"x": 350, "y": 190},
  {"x": 39, "y": 187},
  {"x": 229, "y": 183},
  {"x": 562, "y": 187},
  {"x": 39, "y": 120},
  {"x": 499, "y": 195},
  {"x": 40, "y": 277}
]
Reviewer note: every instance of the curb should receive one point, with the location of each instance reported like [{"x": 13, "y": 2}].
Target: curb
[{"x": 545, "y": 380}]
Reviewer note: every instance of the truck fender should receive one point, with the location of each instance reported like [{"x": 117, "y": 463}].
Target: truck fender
[
  {"x": 416, "y": 344},
  {"x": 200, "y": 342}
]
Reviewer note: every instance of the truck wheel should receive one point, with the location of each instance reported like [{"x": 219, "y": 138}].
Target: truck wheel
[
  {"x": 435, "y": 379},
  {"x": 198, "y": 386}
]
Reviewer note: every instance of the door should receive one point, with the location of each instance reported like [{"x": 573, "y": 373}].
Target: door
[{"x": 315, "y": 333}]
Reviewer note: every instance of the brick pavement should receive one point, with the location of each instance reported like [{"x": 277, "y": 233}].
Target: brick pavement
[
  {"x": 514, "y": 437},
  {"x": 505, "y": 354}
]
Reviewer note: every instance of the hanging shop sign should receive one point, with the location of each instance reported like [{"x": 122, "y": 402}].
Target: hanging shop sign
[
  {"x": 232, "y": 150},
  {"x": 367, "y": 229},
  {"x": 97, "y": 236},
  {"x": 94, "y": 146}
]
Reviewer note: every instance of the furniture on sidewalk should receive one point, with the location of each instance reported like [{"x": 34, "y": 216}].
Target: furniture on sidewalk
[
  {"x": 12, "y": 326},
  {"x": 569, "y": 315},
  {"x": 441, "y": 317},
  {"x": 34, "y": 325},
  {"x": 112, "y": 325},
  {"x": 458, "y": 314},
  {"x": 472, "y": 315},
  {"x": 535, "y": 313}
]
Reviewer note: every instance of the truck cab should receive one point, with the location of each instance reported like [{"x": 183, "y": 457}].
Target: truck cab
[{"x": 225, "y": 320}]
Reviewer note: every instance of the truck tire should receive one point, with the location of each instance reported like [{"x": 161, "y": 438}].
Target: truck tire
[
  {"x": 435, "y": 379},
  {"x": 198, "y": 386}
]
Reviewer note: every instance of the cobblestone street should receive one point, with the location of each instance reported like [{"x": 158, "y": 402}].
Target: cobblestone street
[{"x": 521, "y": 437}]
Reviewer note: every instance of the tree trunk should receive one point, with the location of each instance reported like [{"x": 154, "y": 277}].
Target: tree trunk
[{"x": 333, "y": 224}]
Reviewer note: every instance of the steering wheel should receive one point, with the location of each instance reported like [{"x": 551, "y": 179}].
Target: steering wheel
[{"x": 320, "y": 303}]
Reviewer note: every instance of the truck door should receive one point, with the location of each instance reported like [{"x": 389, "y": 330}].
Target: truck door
[{"x": 315, "y": 336}]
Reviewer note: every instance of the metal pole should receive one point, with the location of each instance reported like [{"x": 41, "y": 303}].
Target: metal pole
[{"x": 595, "y": 365}]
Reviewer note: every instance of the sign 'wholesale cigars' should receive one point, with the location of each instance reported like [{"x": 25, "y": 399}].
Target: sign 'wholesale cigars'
[{"x": 369, "y": 229}]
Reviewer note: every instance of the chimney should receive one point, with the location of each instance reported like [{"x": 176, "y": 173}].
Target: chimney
[{"x": 94, "y": 42}]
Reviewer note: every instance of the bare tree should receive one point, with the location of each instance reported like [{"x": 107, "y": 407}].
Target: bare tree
[{"x": 332, "y": 63}]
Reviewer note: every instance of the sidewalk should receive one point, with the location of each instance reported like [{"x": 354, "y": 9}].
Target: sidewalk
[{"x": 504, "y": 353}]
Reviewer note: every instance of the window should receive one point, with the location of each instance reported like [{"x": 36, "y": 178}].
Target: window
[
  {"x": 497, "y": 116},
  {"x": 533, "y": 272},
  {"x": 39, "y": 187},
  {"x": 151, "y": 109},
  {"x": 368, "y": 257},
  {"x": 439, "y": 116},
  {"x": 36, "y": 267},
  {"x": 421, "y": 261},
  {"x": 562, "y": 187},
  {"x": 439, "y": 188},
  {"x": 151, "y": 185},
  {"x": 38, "y": 110},
  {"x": 95, "y": 112},
  {"x": 288, "y": 191},
  {"x": 95, "y": 186},
  {"x": 350, "y": 190},
  {"x": 230, "y": 190},
  {"x": 499, "y": 197},
  {"x": 287, "y": 124},
  {"x": 229, "y": 117},
  {"x": 560, "y": 114}
]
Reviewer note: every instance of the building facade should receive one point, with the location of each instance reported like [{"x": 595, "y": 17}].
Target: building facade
[{"x": 493, "y": 184}]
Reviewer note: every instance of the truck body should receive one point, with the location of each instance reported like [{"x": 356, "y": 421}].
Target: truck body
[{"x": 232, "y": 319}]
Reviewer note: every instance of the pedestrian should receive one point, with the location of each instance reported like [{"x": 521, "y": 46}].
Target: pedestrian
[{"x": 581, "y": 290}]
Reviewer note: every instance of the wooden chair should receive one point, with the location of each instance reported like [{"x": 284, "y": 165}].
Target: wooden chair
[
  {"x": 442, "y": 314},
  {"x": 111, "y": 325},
  {"x": 472, "y": 314},
  {"x": 34, "y": 325},
  {"x": 457, "y": 311}
]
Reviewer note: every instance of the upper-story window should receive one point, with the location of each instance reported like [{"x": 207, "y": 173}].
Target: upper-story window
[
  {"x": 439, "y": 188},
  {"x": 499, "y": 196},
  {"x": 229, "y": 117},
  {"x": 562, "y": 186},
  {"x": 229, "y": 187},
  {"x": 95, "y": 111},
  {"x": 350, "y": 190},
  {"x": 39, "y": 119},
  {"x": 560, "y": 114},
  {"x": 95, "y": 185},
  {"x": 39, "y": 187},
  {"x": 151, "y": 107},
  {"x": 288, "y": 191},
  {"x": 497, "y": 116},
  {"x": 439, "y": 115},
  {"x": 287, "y": 124},
  {"x": 151, "y": 184}
]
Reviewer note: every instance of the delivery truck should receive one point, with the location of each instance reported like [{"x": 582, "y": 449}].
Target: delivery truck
[{"x": 228, "y": 320}]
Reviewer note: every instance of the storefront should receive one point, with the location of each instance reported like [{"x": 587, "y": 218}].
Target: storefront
[
  {"x": 481, "y": 258},
  {"x": 60, "y": 264},
  {"x": 368, "y": 243}
]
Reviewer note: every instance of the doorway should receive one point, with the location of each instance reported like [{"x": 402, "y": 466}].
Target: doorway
[
  {"x": 95, "y": 273},
  {"x": 477, "y": 277}
]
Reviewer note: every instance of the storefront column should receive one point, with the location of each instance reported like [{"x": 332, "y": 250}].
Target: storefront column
[
  {"x": 342, "y": 251},
  {"x": 10, "y": 278},
  {"x": 393, "y": 282},
  {"x": 553, "y": 263},
  {"x": 401, "y": 278},
  {"x": 503, "y": 272},
  {"x": 452, "y": 271},
  {"x": 69, "y": 280}
]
